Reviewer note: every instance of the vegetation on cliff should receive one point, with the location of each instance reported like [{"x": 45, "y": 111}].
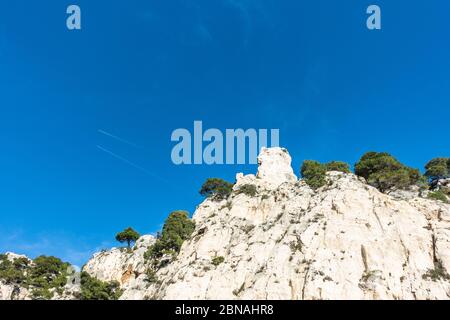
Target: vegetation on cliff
[
  {"x": 129, "y": 235},
  {"x": 43, "y": 276},
  {"x": 177, "y": 228},
  {"x": 94, "y": 289},
  {"x": 314, "y": 172},
  {"x": 384, "y": 172},
  {"x": 216, "y": 189}
]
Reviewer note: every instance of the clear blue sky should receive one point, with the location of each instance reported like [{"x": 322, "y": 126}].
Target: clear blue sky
[{"x": 140, "y": 69}]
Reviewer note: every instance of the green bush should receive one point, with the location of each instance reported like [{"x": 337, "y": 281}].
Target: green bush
[
  {"x": 216, "y": 189},
  {"x": 217, "y": 260},
  {"x": 44, "y": 276},
  {"x": 438, "y": 168},
  {"x": 337, "y": 166},
  {"x": 151, "y": 276},
  {"x": 437, "y": 273},
  {"x": 128, "y": 235},
  {"x": 384, "y": 172},
  {"x": 94, "y": 289},
  {"x": 177, "y": 228},
  {"x": 13, "y": 272},
  {"x": 47, "y": 273},
  {"x": 438, "y": 195},
  {"x": 248, "y": 189},
  {"x": 314, "y": 173}
]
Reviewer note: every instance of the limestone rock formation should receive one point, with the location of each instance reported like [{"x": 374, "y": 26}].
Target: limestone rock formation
[
  {"x": 345, "y": 240},
  {"x": 126, "y": 267},
  {"x": 14, "y": 291},
  {"x": 275, "y": 167},
  {"x": 120, "y": 264},
  {"x": 10, "y": 291}
]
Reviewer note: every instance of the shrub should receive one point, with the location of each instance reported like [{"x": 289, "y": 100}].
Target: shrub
[
  {"x": 437, "y": 273},
  {"x": 177, "y": 228},
  {"x": 217, "y": 260},
  {"x": 438, "y": 195},
  {"x": 128, "y": 235},
  {"x": 248, "y": 189},
  {"x": 337, "y": 166},
  {"x": 94, "y": 289},
  {"x": 151, "y": 275},
  {"x": 438, "y": 168},
  {"x": 384, "y": 172},
  {"x": 13, "y": 272},
  {"x": 43, "y": 276},
  {"x": 216, "y": 189},
  {"x": 47, "y": 273},
  {"x": 314, "y": 173},
  {"x": 9, "y": 273}
]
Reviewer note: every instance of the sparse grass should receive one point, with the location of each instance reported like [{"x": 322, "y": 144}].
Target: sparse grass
[
  {"x": 296, "y": 245},
  {"x": 438, "y": 195},
  {"x": 227, "y": 205},
  {"x": 217, "y": 260},
  {"x": 437, "y": 273},
  {"x": 248, "y": 189},
  {"x": 151, "y": 276}
]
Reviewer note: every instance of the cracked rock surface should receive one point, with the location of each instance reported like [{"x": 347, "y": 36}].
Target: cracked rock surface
[{"x": 345, "y": 240}]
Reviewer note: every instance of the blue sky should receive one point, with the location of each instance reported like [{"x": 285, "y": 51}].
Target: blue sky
[{"x": 140, "y": 69}]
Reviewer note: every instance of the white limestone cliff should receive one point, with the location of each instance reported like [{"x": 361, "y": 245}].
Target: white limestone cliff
[
  {"x": 120, "y": 264},
  {"x": 274, "y": 167},
  {"x": 345, "y": 240},
  {"x": 9, "y": 291},
  {"x": 12, "y": 291},
  {"x": 124, "y": 266}
]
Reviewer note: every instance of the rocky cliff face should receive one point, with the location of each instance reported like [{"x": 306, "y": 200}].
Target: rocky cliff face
[
  {"x": 10, "y": 291},
  {"x": 13, "y": 291},
  {"x": 345, "y": 240},
  {"x": 126, "y": 267}
]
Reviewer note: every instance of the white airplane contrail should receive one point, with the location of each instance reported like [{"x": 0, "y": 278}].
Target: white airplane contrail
[
  {"x": 119, "y": 138},
  {"x": 131, "y": 164}
]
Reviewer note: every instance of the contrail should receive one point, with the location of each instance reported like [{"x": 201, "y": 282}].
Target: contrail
[
  {"x": 119, "y": 139},
  {"x": 132, "y": 164}
]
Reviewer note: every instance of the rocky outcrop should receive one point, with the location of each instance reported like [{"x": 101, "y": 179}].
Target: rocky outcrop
[
  {"x": 128, "y": 267},
  {"x": 443, "y": 185},
  {"x": 14, "y": 291},
  {"x": 9, "y": 291},
  {"x": 345, "y": 240},
  {"x": 120, "y": 264},
  {"x": 274, "y": 167}
]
